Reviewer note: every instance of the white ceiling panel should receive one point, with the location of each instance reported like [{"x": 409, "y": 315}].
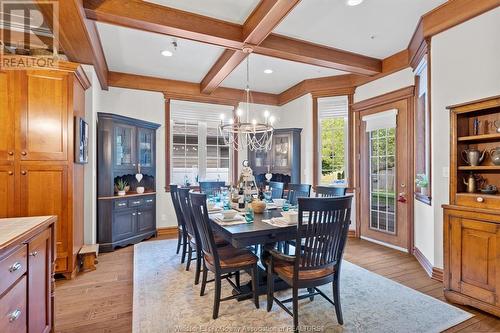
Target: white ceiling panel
[
  {"x": 235, "y": 11},
  {"x": 285, "y": 74},
  {"x": 138, "y": 52},
  {"x": 376, "y": 28}
]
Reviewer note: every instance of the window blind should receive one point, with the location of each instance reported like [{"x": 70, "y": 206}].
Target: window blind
[
  {"x": 386, "y": 119},
  {"x": 199, "y": 112},
  {"x": 332, "y": 107}
]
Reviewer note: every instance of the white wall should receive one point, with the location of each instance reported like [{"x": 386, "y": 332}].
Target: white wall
[{"x": 465, "y": 66}]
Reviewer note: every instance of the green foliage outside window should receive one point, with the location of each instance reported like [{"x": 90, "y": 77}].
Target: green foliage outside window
[{"x": 333, "y": 163}]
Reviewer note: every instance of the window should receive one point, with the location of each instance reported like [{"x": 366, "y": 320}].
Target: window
[
  {"x": 422, "y": 134},
  {"x": 198, "y": 151},
  {"x": 333, "y": 140}
]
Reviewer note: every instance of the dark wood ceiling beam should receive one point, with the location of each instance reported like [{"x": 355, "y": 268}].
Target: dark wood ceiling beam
[
  {"x": 78, "y": 37},
  {"x": 187, "y": 91},
  {"x": 266, "y": 16}
]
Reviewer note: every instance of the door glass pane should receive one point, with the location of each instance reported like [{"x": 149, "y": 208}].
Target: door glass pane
[
  {"x": 146, "y": 148},
  {"x": 382, "y": 180},
  {"x": 123, "y": 145},
  {"x": 281, "y": 151}
]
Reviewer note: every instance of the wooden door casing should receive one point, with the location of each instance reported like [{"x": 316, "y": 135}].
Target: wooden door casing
[
  {"x": 44, "y": 120},
  {"x": 44, "y": 191},
  {"x": 7, "y": 119},
  {"x": 474, "y": 258},
  {"x": 39, "y": 283}
]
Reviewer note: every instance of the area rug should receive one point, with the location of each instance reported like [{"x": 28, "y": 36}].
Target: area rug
[{"x": 166, "y": 300}]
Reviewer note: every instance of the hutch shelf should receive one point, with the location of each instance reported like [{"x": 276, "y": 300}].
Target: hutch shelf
[{"x": 472, "y": 219}]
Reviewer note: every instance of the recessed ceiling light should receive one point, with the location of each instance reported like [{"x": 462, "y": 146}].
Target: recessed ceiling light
[
  {"x": 166, "y": 53},
  {"x": 268, "y": 71},
  {"x": 353, "y": 2}
]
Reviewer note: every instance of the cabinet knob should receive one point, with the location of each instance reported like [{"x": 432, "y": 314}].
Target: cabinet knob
[
  {"x": 14, "y": 315},
  {"x": 34, "y": 253},
  {"x": 133, "y": 214},
  {"x": 10, "y": 153},
  {"x": 10, "y": 173},
  {"x": 139, "y": 213},
  {"x": 24, "y": 153},
  {"x": 23, "y": 172},
  {"x": 480, "y": 199},
  {"x": 15, "y": 267}
]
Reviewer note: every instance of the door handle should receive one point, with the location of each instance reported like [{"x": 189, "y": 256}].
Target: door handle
[
  {"x": 14, "y": 315},
  {"x": 34, "y": 253},
  {"x": 402, "y": 197}
]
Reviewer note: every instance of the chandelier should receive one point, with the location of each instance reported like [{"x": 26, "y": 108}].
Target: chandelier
[{"x": 241, "y": 132}]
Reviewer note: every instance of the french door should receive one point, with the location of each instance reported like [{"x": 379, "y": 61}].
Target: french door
[{"x": 385, "y": 174}]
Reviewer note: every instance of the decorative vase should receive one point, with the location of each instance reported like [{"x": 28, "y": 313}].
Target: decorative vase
[
  {"x": 139, "y": 189},
  {"x": 121, "y": 193},
  {"x": 424, "y": 191}
]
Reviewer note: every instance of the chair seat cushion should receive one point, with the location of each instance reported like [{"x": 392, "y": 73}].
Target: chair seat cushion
[
  {"x": 285, "y": 270},
  {"x": 231, "y": 257}
]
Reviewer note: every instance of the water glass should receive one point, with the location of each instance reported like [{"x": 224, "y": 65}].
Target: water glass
[
  {"x": 249, "y": 215},
  {"x": 286, "y": 206},
  {"x": 267, "y": 196},
  {"x": 227, "y": 205}
]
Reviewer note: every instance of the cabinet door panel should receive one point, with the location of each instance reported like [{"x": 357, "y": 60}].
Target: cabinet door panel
[
  {"x": 145, "y": 220},
  {"x": 474, "y": 258},
  {"x": 44, "y": 192},
  {"x": 124, "y": 147},
  {"x": 7, "y": 122},
  {"x": 39, "y": 280},
  {"x": 124, "y": 224},
  {"x": 146, "y": 149},
  {"x": 7, "y": 191},
  {"x": 44, "y": 116}
]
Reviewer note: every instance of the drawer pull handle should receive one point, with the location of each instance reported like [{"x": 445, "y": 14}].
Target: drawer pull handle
[
  {"x": 14, "y": 315},
  {"x": 136, "y": 202},
  {"x": 150, "y": 200},
  {"x": 11, "y": 153},
  {"x": 480, "y": 199},
  {"x": 34, "y": 253},
  {"x": 15, "y": 267},
  {"x": 121, "y": 204},
  {"x": 24, "y": 153}
]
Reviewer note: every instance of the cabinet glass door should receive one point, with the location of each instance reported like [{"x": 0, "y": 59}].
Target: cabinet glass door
[
  {"x": 146, "y": 147},
  {"x": 124, "y": 146},
  {"x": 281, "y": 151}
]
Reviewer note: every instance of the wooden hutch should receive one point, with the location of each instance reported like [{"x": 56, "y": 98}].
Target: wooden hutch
[{"x": 472, "y": 220}]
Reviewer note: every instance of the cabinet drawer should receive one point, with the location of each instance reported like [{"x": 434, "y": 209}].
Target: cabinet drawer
[
  {"x": 149, "y": 202},
  {"x": 478, "y": 200},
  {"x": 121, "y": 204},
  {"x": 12, "y": 267},
  {"x": 135, "y": 202},
  {"x": 13, "y": 309}
]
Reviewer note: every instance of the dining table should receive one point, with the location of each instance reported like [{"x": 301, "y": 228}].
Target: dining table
[{"x": 259, "y": 235}]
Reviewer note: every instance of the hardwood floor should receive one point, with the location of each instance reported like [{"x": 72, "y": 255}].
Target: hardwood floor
[{"x": 101, "y": 301}]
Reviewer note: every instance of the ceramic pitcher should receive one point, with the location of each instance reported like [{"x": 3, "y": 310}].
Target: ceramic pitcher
[
  {"x": 495, "y": 155},
  {"x": 473, "y": 157}
]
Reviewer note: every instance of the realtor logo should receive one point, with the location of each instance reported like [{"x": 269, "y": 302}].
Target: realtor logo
[{"x": 29, "y": 32}]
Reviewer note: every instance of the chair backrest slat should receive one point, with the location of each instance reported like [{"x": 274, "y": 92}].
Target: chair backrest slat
[
  {"x": 203, "y": 223},
  {"x": 187, "y": 213},
  {"x": 322, "y": 229},
  {"x": 211, "y": 188},
  {"x": 296, "y": 191},
  {"x": 174, "y": 193},
  {"x": 329, "y": 191}
]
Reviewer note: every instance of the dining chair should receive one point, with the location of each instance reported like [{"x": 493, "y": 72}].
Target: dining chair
[
  {"x": 330, "y": 191},
  {"x": 193, "y": 238},
  {"x": 211, "y": 188},
  {"x": 181, "y": 228},
  {"x": 276, "y": 189},
  {"x": 222, "y": 261},
  {"x": 296, "y": 191},
  {"x": 322, "y": 229}
]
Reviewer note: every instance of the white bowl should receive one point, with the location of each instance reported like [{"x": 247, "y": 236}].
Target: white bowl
[
  {"x": 291, "y": 216},
  {"x": 229, "y": 214},
  {"x": 139, "y": 189},
  {"x": 279, "y": 202}
]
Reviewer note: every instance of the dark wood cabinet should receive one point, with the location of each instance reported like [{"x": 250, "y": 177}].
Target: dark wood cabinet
[
  {"x": 282, "y": 160},
  {"x": 472, "y": 219},
  {"x": 38, "y": 175},
  {"x": 125, "y": 147},
  {"x": 26, "y": 270}
]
